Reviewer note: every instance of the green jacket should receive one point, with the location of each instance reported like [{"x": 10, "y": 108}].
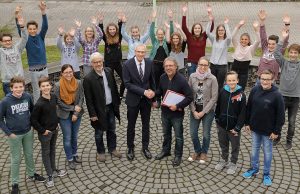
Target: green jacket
[{"x": 154, "y": 41}]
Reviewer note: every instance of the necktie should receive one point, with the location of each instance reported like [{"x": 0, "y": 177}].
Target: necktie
[{"x": 141, "y": 72}]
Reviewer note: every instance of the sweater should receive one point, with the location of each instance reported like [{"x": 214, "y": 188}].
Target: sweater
[
  {"x": 179, "y": 85},
  {"x": 261, "y": 102},
  {"x": 35, "y": 47},
  {"x": 69, "y": 52},
  {"x": 44, "y": 115},
  {"x": 268, "y": 61},
  {"x": 15, "y": 114},
  {"x": 196, "y": 45},
  {"x": 219, "y": 47},
  {"x": 231, "y": 108},
  {"x": 10, "y": 59},
  {"x": 290, "y": 74}
]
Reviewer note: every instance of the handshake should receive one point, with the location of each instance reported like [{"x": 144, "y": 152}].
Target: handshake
[{"x": 149, "y": 93}]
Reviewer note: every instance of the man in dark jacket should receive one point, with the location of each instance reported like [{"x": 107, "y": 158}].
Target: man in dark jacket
[{"x": 103, "y": 102}]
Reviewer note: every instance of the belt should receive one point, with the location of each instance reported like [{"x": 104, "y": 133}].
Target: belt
[{"x": 41, "y": 69}]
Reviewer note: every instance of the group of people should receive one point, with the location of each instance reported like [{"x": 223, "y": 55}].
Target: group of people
[{"x": 210, "y": 90}]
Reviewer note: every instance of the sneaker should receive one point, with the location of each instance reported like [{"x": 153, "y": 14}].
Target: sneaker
[
  {"x": 221, "y": 165},
  {"x": 76, "y": 159},
  {"x": 288, "y": 145},
  {"x": 267, "y": 180},
  {"x": 101, "y": 157},
  {"x": 276, "y": 142},
  {"x": 231, "y": 168},
  {"x": 37, "y": 177},
  {"x": 203, "y": 158},
  {"x": 194, "y": 157},
  {"x": 15, "y": 189},
  {"x": 116, "y": 154},
  {"x": 59, "y": 173},
  {"x": 50, "y": 182},
  {"x": 250, "y": 173},
  {"x": 72, "y": 165}
]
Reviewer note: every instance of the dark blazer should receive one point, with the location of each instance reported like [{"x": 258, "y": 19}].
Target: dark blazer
[
  {"x": 134, "y": 85},
  {"x": 95, "y": 97}
]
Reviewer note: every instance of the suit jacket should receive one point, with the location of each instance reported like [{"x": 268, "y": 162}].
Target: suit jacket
[
  {"x": 134, "y": 85},
  {"x": 95, "y": 97}
]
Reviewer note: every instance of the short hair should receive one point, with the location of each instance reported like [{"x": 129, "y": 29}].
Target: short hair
[
  {"x": 232, "y": 73},
  {"x": 268, "y": 72},
  {"x": 95, "y": 55},
  {"x": 140, "y": 45},
  {"x": 44, "y": 79},
  {"x": 5, "y": 34},
  {"x": 32, "y": 22},
  {"x": 16, "y": 79},
  {"x": 65, "y": 66},
  {"x": 295, "y": 47},
  {"x": 274, "y": 37},
  {"x": 171, "y": 59}
]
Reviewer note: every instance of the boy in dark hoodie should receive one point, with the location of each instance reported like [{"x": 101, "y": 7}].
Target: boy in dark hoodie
[
  {"x": 230, "y": 117},
  {"x": 15, "y": 111}
]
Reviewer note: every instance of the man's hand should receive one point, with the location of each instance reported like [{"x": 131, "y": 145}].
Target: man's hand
[
  {"x": 195, "y": 114},
  {"x": 12, "y": 136},
  {"x": 46, "y": 132},
  {"x": 248, "y": 129},
  {"x": 273, "y": 136},
  {"x": 149, "y": 94},
  {"x": 94, "y": 119},
  {"x": 155, "y": 105},
  {"x": 234, "y": 133},
  {"x": 173, "y": 107},
  {"x": 200, "y": 114}
]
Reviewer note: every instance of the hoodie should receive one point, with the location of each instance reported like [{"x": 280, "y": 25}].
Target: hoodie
[
  {"x": 265, "y": 111},
  {"x": 231, "y": 108},
  {"x": 15, "y": 114}
]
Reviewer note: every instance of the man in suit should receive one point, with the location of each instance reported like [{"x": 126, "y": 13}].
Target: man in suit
[
  {"x": 103, "y": 102},
  {"x": 139, "y": 82}
]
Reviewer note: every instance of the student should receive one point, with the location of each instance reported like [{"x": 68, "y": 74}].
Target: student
[
  {"x": 135, "y": 37},
  {"x": 268, "y": 45},
  {"x": 36, "y": 50},
  {"x": 230, "y": 117},
  {"x": 243, "y": 52},
  {"x": 204, "y": 86},
  {"x": 196, "y": 40},
  {"x": 220, "y": 43},
  {"x": 289, "y": 84},
  {"x": 159, "y": 49},
  {"x": 90, "y": 43},
  {"x": 70, "y": 97},
  {"x": 45, "y": 121},
  {"x": 113, "y": 49},
  {"x": 69, "y": 47},
  {"x": 15, "y": 111},
  {"x": 10, "y": 56},
  {"x": 264, "y": 128}
]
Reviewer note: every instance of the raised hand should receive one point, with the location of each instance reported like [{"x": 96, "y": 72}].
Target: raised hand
[
  {"x": 226, "y": 20},
  {"x": 153, "y": 14},
  {"x": 21, "y": 21},
  {"x": 94, "y": 20},
  {"x": 167, "y": 25},
  {"x": 72, "y": 32},
  {"x": 77, "y": 23},
  {"x": 177, "y": 25},
  {"x": 262, "y": 14},
  {"x": 42, "y": 6},
  {"x": 60, "y": 30},
  {"x": 284, "y": 33},
  {"x": 170, "y": 13},
  {"x": 241, "y": 23},
  {"x": 18, "y": 11},
  {"x": 184, "y": 8},
  {"x": 208, "y": 9},
  {"x": 286, "y": 19},
  {"x": 124, "y": 19},
  {"x": 100, "y": 17},
  {"x": 256, "y": 25},
  {"x": 120, "y": 14}
]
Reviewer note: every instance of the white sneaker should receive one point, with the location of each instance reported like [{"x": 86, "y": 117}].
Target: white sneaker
[
  {"x": 231, "y": 168},
  {"x": 49, "y": 182},
  {"x": 221, "y": 165},
  {"x": 59, "y": 173}
]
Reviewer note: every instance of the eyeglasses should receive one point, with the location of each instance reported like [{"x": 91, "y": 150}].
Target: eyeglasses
[
  {"x": 266, "y": 80},
  {"x": 6, "y": 40},
  {"x": 97, "y": 62},
  {"x": 203, "y": 65}
]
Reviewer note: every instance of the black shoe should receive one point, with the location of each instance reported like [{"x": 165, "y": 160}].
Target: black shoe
[
  {"x": 288, "y": 145},
  {"x": 176, "y": 162},
  {"x": 76, "y": 159},
  {"x": 37, "y": 177},
  {"x": 161, "y": 155},
  {"x": 15, "y": 189},
  {"x": 147, "y": 153},
  {"x": 130, "y": 154}
]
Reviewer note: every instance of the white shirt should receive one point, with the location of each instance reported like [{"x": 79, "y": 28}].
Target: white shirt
[{"x": 137, "y": 63}]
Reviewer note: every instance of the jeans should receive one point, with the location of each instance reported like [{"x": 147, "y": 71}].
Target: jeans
[
  {"x": 191, "y": 68},
  {"x": 111, "y": 136},
  {"x": 167, "y": 124},
  {"x": 6, "y": 88},
  {"x": 86, "y": 69},
  {"x": 220, "y": 72},
  {"x": 207, "y": 120},
  {"x": 291, "y": 105},
  {"x": 224, "y": 138},
  {"x": 35, "y": 76},
  {"x": 267, "y": 145},
  {"x": 70, "y": 136},
  {"x": 24, "y": 141},
  {"x": 48, "y": 143}
]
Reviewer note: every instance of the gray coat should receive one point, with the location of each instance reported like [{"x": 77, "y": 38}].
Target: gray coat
[{"x": 64, "y": 110}]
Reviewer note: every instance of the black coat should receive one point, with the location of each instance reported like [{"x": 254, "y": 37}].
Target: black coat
[{"x": 95, "y": 97}]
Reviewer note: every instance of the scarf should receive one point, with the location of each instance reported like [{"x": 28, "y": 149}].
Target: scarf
[
  {"x": 68, "y": 90},
  {"x": 203, "y": 76}
]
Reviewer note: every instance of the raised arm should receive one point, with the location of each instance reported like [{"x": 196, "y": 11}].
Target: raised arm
[
  {"x": 44, "y": 28},
  {"x": 145, "y": 37},
  {"x": 22, "y": 43},
  {"x": 277, "y": 54},
  {"x": 120, "y": 15},
  {"x": 99, "y": 33},
  {"x": 235, "y": 40},
  {"x": 152, "y": 28},
  {"x": 168, "y": 34},
  {"x": 287, "y": 22},
  {"x": 60, "y": 39},
  {"x": 257, "y": 39},
  {"x": 78, "y": 32},
  {"x": 227, "y": 29},
  {"x": 262, "y": 30},
  {"x": 209, "y": 34},
  {"x": 100, "y": 18},
  {"x": 183, "y": 22},
  {"x": 18, "y": 12},
  {"x": 178, "y": 27}
]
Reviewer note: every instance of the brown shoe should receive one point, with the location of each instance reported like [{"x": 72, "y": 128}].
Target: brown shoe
[
  {"x": 203, "y": 158},
  {"x": 194, "y": 157},
  {"x": 116, "y": 154},
  {"x": 101, "y": 157}
]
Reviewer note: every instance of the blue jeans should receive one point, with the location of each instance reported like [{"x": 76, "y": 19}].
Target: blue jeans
[
  {"x": 111, "y": 136},
  {"x": 70, "y": 136},
  {"x": 207, "y": 120},
  {"x": 191, "y": 68},
  {"x": 167, "y": 124},
  {"x": 267, "y": 145},
  {"x": 6, "y": 88}
]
